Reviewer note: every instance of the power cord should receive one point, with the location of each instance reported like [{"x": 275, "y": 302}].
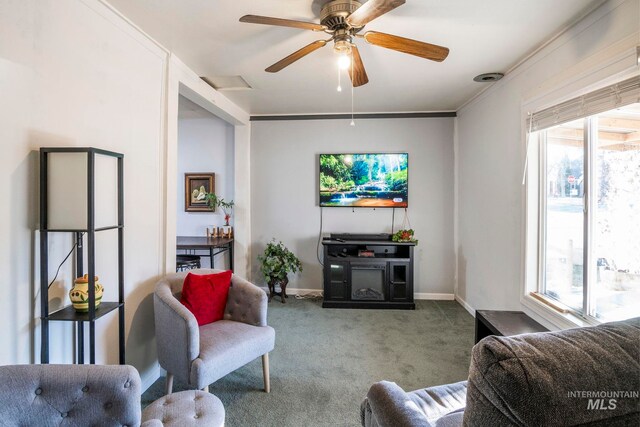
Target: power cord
[
  {"x": 309, "y": 295},
  {"x": 63, "y": 261},
  {"x": 319, "y": 238},
  {"x": 393, "y": 218}
]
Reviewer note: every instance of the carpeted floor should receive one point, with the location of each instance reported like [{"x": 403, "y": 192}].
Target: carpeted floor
[{"x": 325, "y": 360}]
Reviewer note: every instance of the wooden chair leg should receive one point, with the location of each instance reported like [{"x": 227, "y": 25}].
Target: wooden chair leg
[
  {"x": 206, "y": 389},
  {"x": 169, "y": 384},
  {"x": 265, "y": 372}
]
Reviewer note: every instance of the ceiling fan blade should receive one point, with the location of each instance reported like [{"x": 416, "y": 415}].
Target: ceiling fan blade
[
  {"x": 295, "y": 56},
  {"x": 255, "y": 19},
  {"x": 356, "y": 71},
  {"x": 371, "y": 10},
  {"x": 410, "y": 46}
]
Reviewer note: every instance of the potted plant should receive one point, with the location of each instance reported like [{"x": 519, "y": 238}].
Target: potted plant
[
  {"x": 218, "y": 202},
  {"x": 275, "y": 264},
  {"x": 404, "y": 236}
]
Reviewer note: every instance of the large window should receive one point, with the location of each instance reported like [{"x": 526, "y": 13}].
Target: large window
[{"x": 588, "y": 214}]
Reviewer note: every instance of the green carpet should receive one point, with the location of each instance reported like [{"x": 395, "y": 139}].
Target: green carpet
[{"x": 325, "y": 360}]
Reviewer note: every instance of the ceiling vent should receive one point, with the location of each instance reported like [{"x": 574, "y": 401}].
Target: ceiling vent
[
  {"x": 488, "y": 77},
  {"x": 227, "y": 82}
]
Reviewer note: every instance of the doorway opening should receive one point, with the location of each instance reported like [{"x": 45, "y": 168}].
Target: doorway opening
[{"x": 205, "y": 166}]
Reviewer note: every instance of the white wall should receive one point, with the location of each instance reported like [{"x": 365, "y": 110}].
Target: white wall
[
  {"x": 205, "y": 144},
  {"x": 490, "y": 147},
  {"x": 75, "y": 73},
  {"x": 70, "y": 77},
  {"x": 284, "y": 188}
]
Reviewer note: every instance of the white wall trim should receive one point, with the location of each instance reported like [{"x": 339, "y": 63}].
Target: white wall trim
[
  {"x": 198, "y": 91},
  {"x": 549, "y": 317},
  {"x": 433, "y": 296},
  {"x": 184, "y": 82},
  {"x": 242, "y": 192},
  {"x": 456, "y": 204},
  {"x": 417, "y": 295},
  {"x": 466, "y": 306},
  {"x": 113, "y": 15}
]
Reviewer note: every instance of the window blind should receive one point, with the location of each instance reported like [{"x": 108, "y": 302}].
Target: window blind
[{"x": 608, "y": 98}]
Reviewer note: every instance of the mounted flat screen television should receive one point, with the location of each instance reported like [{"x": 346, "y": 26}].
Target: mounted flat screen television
[{"x": 364, "y": 180}]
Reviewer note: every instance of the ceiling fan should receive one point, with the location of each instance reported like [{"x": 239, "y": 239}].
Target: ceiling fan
[{"x": 343, "y": 20}]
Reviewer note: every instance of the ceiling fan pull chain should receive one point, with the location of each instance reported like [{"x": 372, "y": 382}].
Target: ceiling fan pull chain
[{"x": 353, "y": 123}]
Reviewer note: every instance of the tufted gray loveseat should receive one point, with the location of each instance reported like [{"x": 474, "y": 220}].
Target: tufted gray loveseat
[
  {"x": 70, "y": 395},
  {"x": 199, "y": 356}
]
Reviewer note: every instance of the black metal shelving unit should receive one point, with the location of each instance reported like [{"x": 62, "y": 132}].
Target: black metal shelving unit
[{"x": 68, "y": 313}]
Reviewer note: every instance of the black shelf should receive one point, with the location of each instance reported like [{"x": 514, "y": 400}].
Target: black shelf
[
  {"x": 69, "y": 314},
  {"x": 88, "y": 150},
  {"x": 327, "y": 241},
  {"x": 83, "y": 230},
  {"x": 386, "y": 257}
]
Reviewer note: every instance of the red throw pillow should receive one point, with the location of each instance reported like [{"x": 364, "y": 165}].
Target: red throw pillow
[{"x": 206, "y": 295}]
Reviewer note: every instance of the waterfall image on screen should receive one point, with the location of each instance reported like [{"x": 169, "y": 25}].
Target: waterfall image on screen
[{"x": 364, "y": 180}]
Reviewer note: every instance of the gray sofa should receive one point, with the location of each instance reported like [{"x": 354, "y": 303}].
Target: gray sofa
[{"x": 580, "y": 377}]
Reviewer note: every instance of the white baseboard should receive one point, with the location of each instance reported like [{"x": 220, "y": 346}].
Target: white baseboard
[
  {"x": 417, "y": 295},
  {"x": 433, "y": 296},
  {"x": 466, "y": 306},
  {"x": 149, "y": 377}
]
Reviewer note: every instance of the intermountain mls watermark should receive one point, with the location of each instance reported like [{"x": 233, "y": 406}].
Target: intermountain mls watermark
[{"x": 603, "y": 399}]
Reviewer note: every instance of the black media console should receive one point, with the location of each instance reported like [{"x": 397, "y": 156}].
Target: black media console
[{"x": 367, "y": 271}]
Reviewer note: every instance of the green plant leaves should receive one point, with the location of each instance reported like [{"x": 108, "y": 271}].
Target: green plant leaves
[{"x": 277, "y": 261}]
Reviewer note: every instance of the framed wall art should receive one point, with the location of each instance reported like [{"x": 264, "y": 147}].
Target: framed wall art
[{"x": 196, "y": 188}]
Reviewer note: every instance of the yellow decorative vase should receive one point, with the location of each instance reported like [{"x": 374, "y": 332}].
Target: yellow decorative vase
[{"x": 79, "y": 294}]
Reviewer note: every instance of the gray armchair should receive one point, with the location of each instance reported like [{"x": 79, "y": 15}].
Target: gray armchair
[
  {"x": 75, "y": 395},
  {"x": 199, "y": 356}
]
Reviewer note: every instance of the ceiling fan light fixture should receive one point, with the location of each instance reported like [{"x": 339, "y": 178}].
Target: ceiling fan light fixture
[
  {"x": 344, "y": 62},
  {"x": 342, "y": 47},
  {"x": 343, "y": 20}
]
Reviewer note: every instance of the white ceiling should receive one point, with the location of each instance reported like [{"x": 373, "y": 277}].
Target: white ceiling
[{"x": 484, "y": 36}]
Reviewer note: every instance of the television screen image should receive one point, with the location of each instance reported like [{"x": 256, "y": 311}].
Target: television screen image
[{"x": 364, "y": 180}]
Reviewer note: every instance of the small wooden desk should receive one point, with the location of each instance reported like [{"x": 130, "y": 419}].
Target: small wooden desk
[
  {"x": 504, "y": 323},
  {"x": 214, "y": 246}
]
